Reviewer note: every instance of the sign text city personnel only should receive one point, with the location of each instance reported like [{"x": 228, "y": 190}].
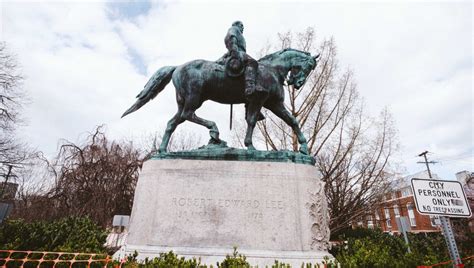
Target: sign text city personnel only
[{"x": 437, "y": 197}]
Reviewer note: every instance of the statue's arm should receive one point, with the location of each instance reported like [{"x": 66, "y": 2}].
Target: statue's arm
[{"x": 232, "y": 45}]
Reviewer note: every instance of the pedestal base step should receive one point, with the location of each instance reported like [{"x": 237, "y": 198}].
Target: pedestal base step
[{"x": 210, "y": 256}]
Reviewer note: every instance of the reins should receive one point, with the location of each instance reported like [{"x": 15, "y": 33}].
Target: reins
[{"x": 306, "y": 80}]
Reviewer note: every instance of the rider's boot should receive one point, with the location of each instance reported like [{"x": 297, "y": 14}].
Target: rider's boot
[
  {"x": 250, "y": 80},
  {"x": 251, "y": 85}
]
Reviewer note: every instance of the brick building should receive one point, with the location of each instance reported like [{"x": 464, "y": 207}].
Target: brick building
[
  {"x": 466, "y": 178},
  {"x": 398, "y": 203}
]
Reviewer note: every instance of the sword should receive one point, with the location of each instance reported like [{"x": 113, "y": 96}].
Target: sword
[{"x": 231, "y": 112}]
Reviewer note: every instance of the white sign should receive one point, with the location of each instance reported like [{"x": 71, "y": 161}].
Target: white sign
[
  {"x": 438, "y": 197},
  {"x": 121, "y": 220}
]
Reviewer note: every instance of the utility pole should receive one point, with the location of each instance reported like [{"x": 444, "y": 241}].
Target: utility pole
[
  {"x": 426, "y": 162},
  {"x": 445, "y": 224}
]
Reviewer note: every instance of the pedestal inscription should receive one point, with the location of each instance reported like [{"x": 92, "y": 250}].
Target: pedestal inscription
[{"x": 203, "y": 208}]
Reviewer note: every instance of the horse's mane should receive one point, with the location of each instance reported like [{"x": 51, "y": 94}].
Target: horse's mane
[{"x": 270, "y": 57}]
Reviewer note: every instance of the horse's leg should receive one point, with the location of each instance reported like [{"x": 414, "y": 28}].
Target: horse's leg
[
  {"x": 251, "y": 116},
  {"x": 170, "y": 128},
  {"x": 188, "y": 114},
  {"x": 279, "y": 110}
]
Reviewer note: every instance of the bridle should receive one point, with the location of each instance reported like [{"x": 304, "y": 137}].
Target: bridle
[{"x": 290, "y": 80}]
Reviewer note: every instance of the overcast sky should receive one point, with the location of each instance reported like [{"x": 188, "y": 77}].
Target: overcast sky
[{"x": 84, "y": 63}]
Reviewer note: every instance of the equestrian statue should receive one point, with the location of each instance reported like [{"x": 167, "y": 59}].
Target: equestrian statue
[{"x": 234, "y": 78}]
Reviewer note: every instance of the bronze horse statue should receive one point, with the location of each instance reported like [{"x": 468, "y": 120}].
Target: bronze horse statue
[{"x": 201, "y": 80}]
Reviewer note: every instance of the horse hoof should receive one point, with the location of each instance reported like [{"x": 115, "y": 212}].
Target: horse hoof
[
  {"x": 214, "y": 135},
  {"x": 215, "y": 141},
  {"x": 161, "y": 151},
  {"x": 251, "y": 148},
  {"x": 304, "y": 150}
]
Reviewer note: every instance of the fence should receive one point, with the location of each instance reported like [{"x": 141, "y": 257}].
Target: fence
[
  {"x": 17, "y": 258},
  {"x": 448, "y": 263}
]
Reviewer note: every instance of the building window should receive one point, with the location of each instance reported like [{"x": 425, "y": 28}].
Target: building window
[
  {"x": 411, "y": 214},
  {"x": 396, "y": 211},
  {"x": 377, "y": 218},
  {"x": 406, "y": 191},
  {"x": 387, "y": 218},
  {"x": 370, "y": 222}
]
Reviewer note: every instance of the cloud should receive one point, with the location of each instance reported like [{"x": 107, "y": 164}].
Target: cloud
[{"x": 85, "y": 63}]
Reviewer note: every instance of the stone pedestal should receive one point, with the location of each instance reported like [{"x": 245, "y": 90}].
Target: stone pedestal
[{"x": 203, "y": 208}]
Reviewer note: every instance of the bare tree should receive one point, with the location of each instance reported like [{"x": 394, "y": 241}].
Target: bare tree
[
  {"x": 352, "y": 150},
  {"x": 358, "y": 175},
  {"x": 11, "y": 94},
  {"x": 95, "y": 179},
  {"x": 13, "y": 153},
  {"x": 34, "y": 180}
]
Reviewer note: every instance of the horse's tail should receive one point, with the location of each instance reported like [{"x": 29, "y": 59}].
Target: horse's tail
[{"x": 155, "y": 85}]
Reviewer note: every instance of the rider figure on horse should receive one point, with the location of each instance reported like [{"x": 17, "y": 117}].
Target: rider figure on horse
[{"x": 238, "y": 62}]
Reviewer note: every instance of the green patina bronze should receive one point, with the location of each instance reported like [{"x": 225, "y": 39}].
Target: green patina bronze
[
  {"x": 222, "y": 152},
  {"x": 234, "y": 78}
]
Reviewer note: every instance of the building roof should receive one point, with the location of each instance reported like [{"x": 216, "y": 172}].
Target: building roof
[{"x": 403, "y": 182}]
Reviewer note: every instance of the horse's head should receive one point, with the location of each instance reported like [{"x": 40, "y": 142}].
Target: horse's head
[
  {"x": 301, "y": 69},
  {"x": 298, "y": 63}
]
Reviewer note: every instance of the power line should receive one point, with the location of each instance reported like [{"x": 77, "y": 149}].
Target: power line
[{"x": 456, "y": 158}]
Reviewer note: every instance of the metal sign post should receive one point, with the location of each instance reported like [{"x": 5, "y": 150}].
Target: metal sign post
[
  {"x": 449, "y": 236},
  {"x": 404, "y": 227}
]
